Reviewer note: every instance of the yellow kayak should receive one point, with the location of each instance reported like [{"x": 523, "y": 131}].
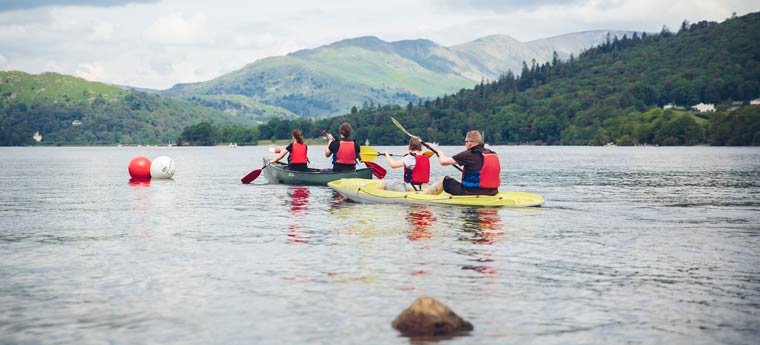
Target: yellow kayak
[{"x": 363, "y": 190}]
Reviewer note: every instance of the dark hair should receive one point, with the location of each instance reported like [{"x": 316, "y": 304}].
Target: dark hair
[
  {"x": 298, "y": 136},
  {"x": 415, "y": 144},
  {"x": 345, "y": 130}
]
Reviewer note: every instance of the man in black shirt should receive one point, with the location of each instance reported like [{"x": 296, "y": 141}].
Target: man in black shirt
[{"x": 478, "y": 178}]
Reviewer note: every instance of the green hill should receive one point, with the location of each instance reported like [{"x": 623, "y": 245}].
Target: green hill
[
  {"x": 70, "y": 110},
  {"x": 612, "y": 93},
  {"x": 329, "y": 80},
  {"x": 326, "y": 82}
]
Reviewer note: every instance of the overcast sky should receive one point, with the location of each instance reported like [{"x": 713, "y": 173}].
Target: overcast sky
[{"x": 158, "y": 43}]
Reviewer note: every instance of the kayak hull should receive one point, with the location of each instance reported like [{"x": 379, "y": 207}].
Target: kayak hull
[
  {"x": 278, "y": 173},
  {"x": 361, "y": 190}
]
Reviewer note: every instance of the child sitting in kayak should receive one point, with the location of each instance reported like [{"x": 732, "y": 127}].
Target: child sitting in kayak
[
  {"x": 416, "y": 169},
  {"x": 297, "y": 160}
]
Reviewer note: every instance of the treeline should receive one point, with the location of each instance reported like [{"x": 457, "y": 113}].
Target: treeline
[
  {"x": 137, "y": 118},
  {"x": 611, "y": 93},
  {"x": 205, "y": 134}
]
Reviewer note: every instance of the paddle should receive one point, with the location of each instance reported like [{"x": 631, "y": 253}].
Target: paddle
[
  {"x": 369, "y": 154},
  {"x": 253, "y": 175},
  {"x": 377, "y": 170},
  {"x": 423, "y": 143}
]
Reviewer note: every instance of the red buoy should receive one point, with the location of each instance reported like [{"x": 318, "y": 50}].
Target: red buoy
[
  {"x": 277, "y": 150},
  {"x": 139, "y": 168}
]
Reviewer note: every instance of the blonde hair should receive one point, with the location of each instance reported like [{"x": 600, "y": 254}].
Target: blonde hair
[{"x": 475, "y": 137}]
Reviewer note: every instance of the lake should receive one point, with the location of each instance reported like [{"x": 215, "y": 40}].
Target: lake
[{"x": 653, "y": 245}]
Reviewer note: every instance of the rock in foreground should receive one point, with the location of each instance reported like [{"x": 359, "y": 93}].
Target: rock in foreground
[{"x": 428, "y": 317}]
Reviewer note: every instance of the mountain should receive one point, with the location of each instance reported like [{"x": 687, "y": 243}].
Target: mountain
[
  {"x": 621, "y": 92},
  {"x": 329, "y": 80},
  {"x": 496, "y": 54},
  {"x": 71, "y": 110}
]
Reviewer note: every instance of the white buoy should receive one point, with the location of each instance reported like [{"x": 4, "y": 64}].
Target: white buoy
[{"x": 162, "y": 167}]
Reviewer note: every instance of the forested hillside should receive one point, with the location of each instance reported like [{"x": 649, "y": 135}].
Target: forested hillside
[
  {"x": 70, "y": 110},
  {"x": 326, "y": 81},
  {"x": 614, "y": 93}
]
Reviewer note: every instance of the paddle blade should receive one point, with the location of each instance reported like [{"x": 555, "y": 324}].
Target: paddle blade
[
  {"x": 377, "y": 170},
  {"x": 428, "y": 153},
  {"x": 251, "y": 176},
  {"x": 367, "y": 153},
  {"x": 365, "y": 157}
]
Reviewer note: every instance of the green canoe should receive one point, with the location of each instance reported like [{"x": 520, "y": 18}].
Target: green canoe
[{"x": 279, "y": 173}]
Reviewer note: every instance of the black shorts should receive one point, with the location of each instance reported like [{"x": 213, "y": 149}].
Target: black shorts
[
  {"x": 298, "y": 167},
  {"x": 454, "y": 187},
  {"x": 343, "y": 167}
]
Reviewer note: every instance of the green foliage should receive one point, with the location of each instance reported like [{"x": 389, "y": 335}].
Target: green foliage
[
  {"x": 611, "y": 93},
  {"x": 203, "y": 134},
  {"x": 323, "y": 82},
  {"x": 241, "y": 106},
  {"x": 740, "y": 127},
  {"x": 68, "y": 110}
]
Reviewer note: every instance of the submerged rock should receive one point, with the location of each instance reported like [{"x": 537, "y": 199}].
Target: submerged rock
[{"x": 428, "y": 317}]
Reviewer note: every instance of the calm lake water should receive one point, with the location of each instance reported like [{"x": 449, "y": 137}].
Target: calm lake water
[{"x": 634, "y": 245}]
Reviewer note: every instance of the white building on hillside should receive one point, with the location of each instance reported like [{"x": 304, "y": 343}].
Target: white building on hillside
[
  {"x": 701, "y": 107},
  {"x": 755, "y": 101}
]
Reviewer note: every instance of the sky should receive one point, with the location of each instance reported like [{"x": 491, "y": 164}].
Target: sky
[{"x": 159, "y": 43}]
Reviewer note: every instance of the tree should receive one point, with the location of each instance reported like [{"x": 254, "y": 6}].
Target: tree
[{"x": 203, "y": 134}]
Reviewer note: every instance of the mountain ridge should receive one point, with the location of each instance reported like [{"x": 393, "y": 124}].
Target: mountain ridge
[{"x": 328, "y": 80}]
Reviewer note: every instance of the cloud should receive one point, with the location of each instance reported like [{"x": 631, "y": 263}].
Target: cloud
[
  {"x": 10, "y": 5},
  {"x": 175, "y": 29},
  {"x": 91, "y": 71},
  {"x": 159, "y": 43},
  {"x": 186, "y": 72},
  {"x": 101, "y": 31},
  {"x": 55, "y": 66},
  {"x": 501, "y": 6}
]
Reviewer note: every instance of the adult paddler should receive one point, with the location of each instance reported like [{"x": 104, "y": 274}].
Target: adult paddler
[
  {"x": 345, "y": 151},
  {"x": 481, "y": 169}
]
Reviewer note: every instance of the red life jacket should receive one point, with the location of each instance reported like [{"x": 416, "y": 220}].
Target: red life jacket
[
  {"x": 487, "y": 176},
  {"x": 298, "y": 155},
  {"x": 420, "y": 173},
  {"x": 346, "y": 153}
]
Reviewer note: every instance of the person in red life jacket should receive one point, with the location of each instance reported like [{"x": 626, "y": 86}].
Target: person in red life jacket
[
  {"x": 481, "y": 169},
  {"x": 345, "y": 151},
  {"x": 416, "y": 169},
  {"x": 297, "y": 160}
]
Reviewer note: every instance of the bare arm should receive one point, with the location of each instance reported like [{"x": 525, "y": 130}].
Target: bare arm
[
  {"x": 282, "y": 154},
  {"x": 444, "y": 159},
  {"x": 330, "y": 139},
  {"x": 392, "y": 162}
]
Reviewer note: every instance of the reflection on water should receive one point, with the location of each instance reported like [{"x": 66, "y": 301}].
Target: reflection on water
[
  {"x": 481, "y": 225},
  {"x": 299, "y": 201},
  {"x": 421, "y": 218},
  {"x": 139, "y": 183},
  {"x": 635, "y": 245}
]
